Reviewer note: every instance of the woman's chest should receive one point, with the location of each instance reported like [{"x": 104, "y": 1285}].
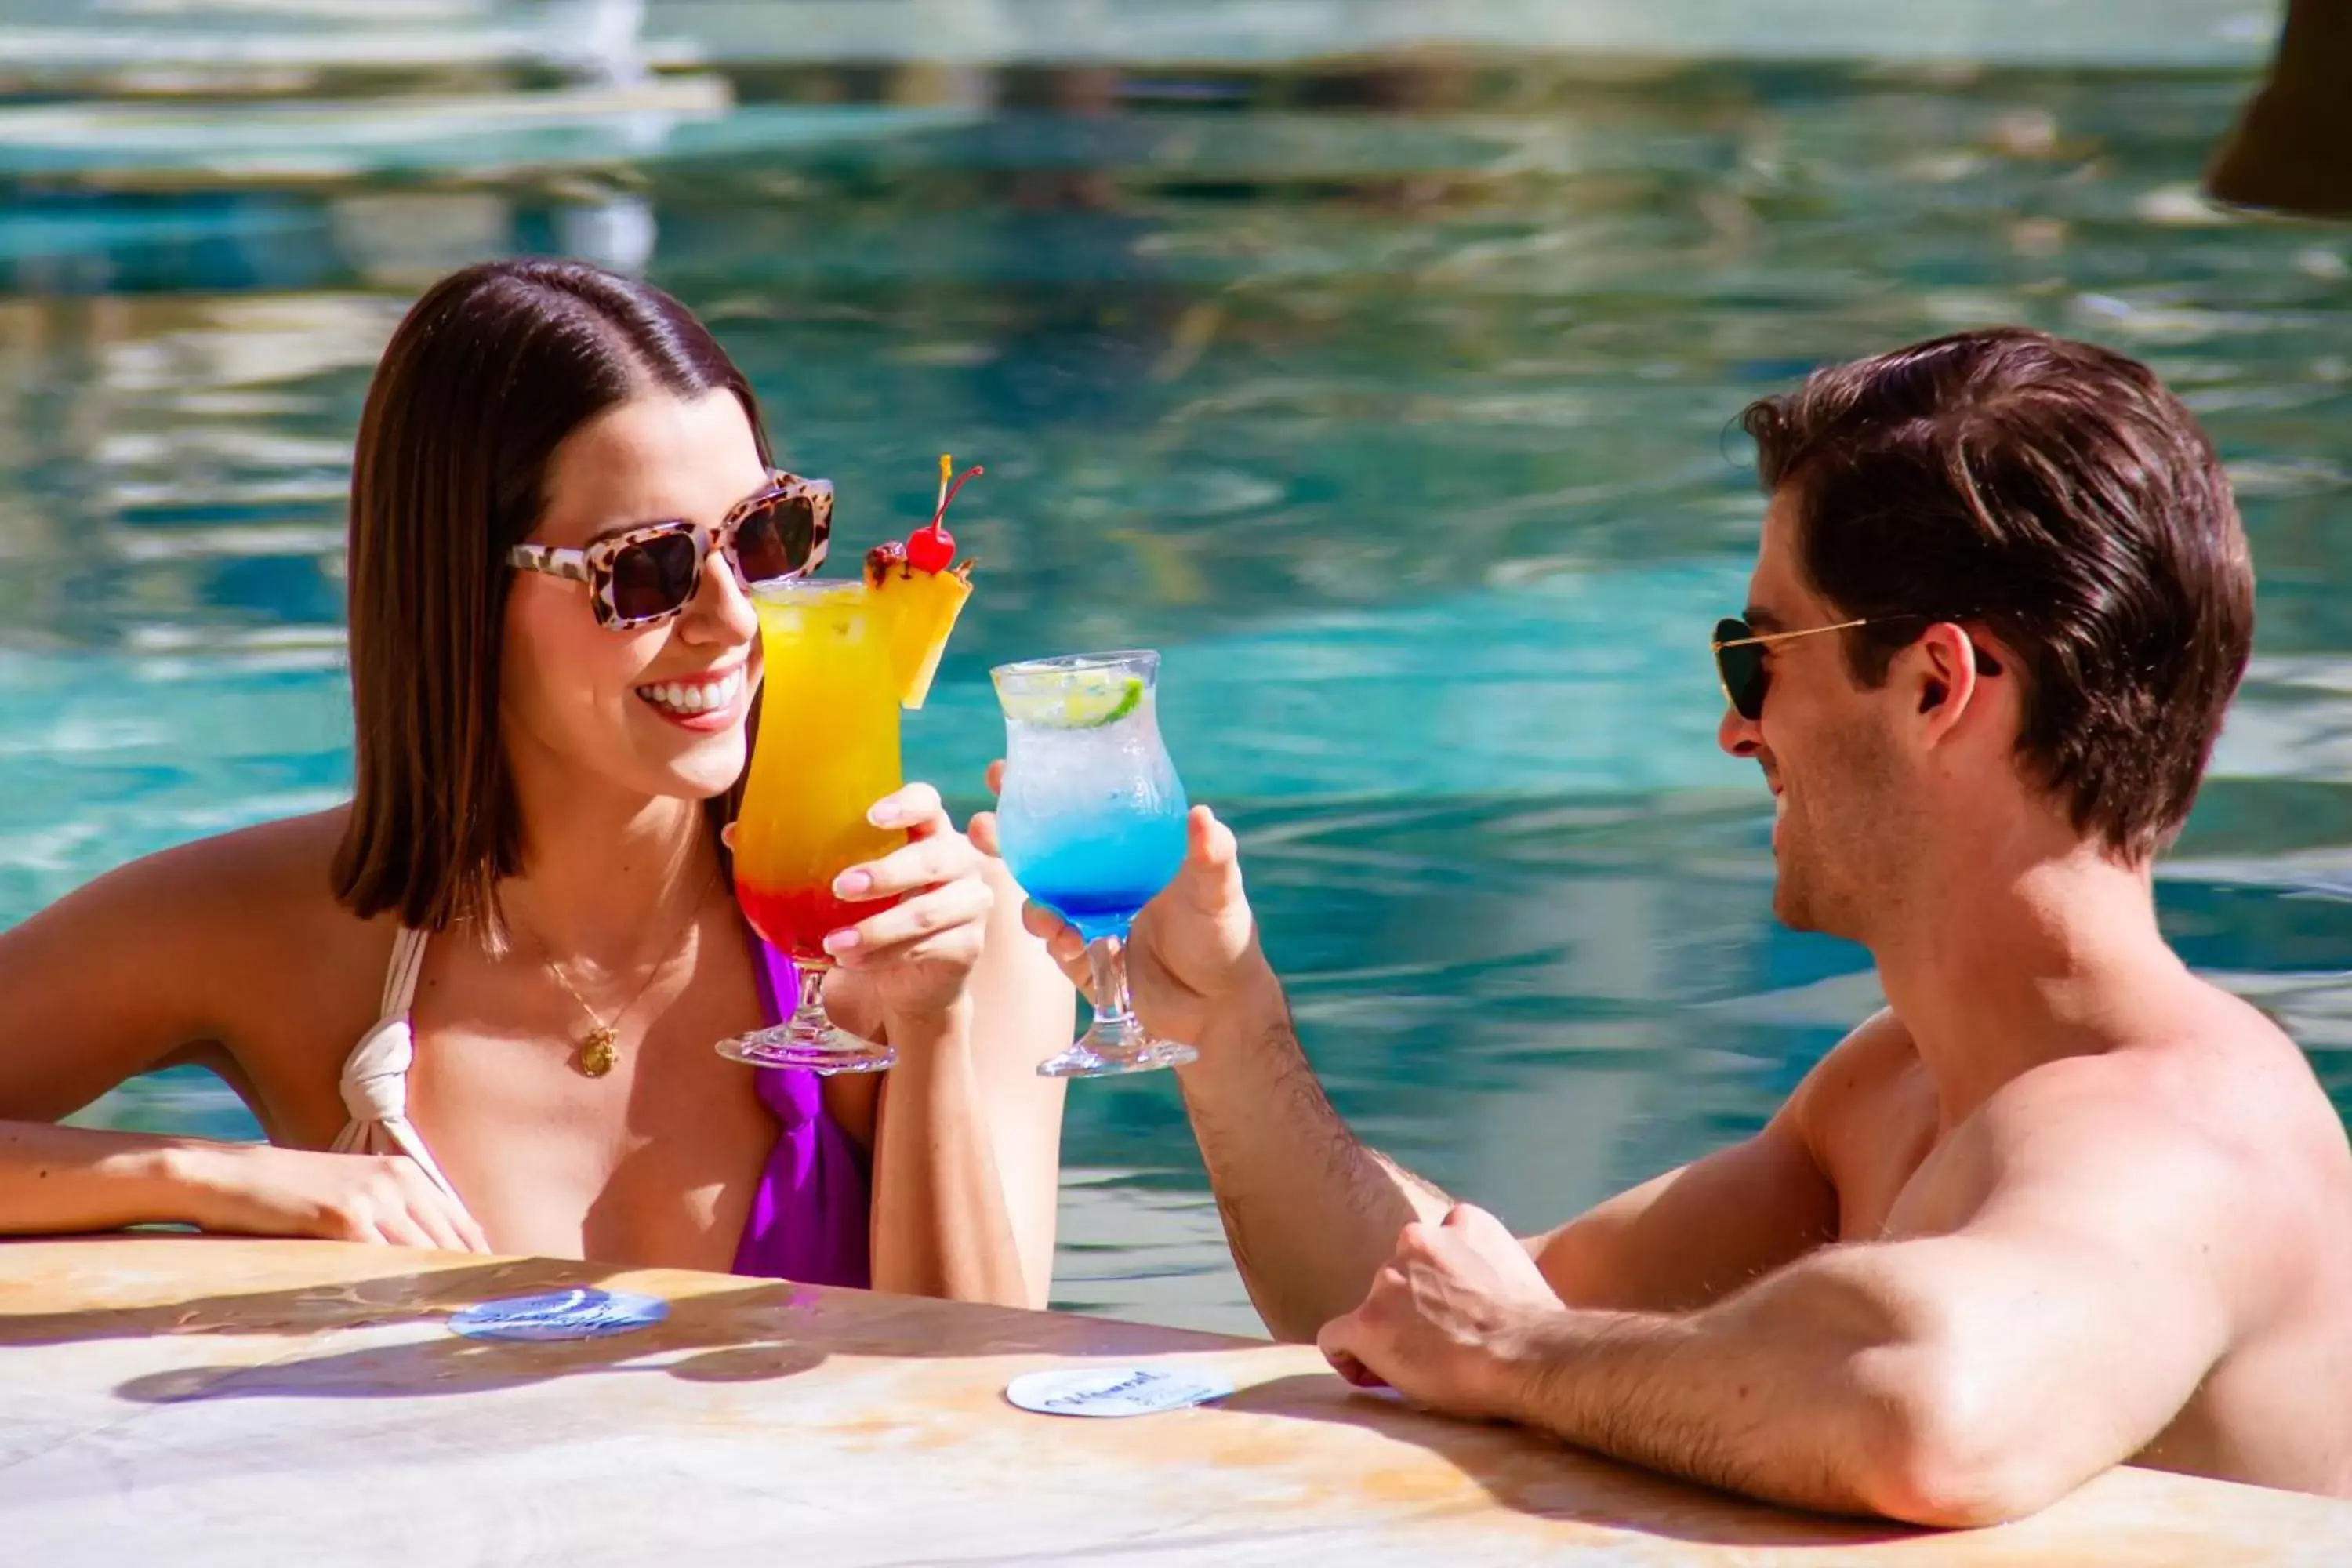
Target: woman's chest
[
  {"x": 620, "y": 1136},
  {"x": 650, "y": 1163}
]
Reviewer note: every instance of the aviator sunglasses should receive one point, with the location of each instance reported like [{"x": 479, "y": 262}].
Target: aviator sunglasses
[
  {"x": 1739, "y": 658},
  {"x": 643, "y": 576}
]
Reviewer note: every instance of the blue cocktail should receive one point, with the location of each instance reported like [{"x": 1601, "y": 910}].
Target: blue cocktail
[
  {"x": 1098, "y": 875},
  {"x": 1091, "y": 821}
]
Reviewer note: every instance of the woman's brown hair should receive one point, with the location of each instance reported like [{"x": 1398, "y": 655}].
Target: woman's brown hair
[{"x": 483, "y": 380}]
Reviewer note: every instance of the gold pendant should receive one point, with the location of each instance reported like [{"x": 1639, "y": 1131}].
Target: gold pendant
[{"x": 596, "y": 1053}]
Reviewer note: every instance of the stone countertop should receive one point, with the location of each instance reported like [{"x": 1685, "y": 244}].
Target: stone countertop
[{"x": 202, "y": 1401}]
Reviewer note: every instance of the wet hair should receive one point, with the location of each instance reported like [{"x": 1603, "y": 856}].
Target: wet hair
[
  {"x": 482, "y": 381},
  {"x": 2056, "y": 495}
]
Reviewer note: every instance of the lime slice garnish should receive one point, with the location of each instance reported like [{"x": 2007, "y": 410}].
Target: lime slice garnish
[
  {"x": 1087, "y": 701},
  {"x": 1130, "y": 697}
]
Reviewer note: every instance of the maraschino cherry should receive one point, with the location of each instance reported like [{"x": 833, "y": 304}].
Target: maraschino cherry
[{"x": 933, "y": 548}]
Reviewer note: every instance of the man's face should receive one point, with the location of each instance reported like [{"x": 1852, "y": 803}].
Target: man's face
[{"x": 1844, "y": 814}]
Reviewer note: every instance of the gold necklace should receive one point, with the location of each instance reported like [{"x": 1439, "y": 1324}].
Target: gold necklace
[{"x": 599, "y": 1048}]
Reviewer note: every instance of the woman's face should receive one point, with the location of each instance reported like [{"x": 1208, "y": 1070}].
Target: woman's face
[{"x": 659, "y": 710}]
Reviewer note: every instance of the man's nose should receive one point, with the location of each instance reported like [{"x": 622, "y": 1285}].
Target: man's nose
[{"x": 1740, "y": 737}]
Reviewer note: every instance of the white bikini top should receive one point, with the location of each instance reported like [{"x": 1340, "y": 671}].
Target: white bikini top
[{"x": 375, "y": 1074}]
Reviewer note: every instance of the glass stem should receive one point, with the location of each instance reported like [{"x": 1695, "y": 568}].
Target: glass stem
[
  {"x": 1114, "y": 1014},
  {"x": 812, "y": 981}
]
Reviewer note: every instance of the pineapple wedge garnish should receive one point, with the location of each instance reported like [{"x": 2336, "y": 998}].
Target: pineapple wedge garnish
[
  {"x": 920, "y": 594},
  {"x": 918, "y": 611}
]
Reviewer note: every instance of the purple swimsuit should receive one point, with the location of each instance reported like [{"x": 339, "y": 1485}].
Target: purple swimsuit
[{"x": 810, "y": 1212}]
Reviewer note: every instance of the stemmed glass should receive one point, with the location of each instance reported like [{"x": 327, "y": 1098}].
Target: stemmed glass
[
  {"x": 827, "y": 750},
  {"x": 1090, "y": 818}
]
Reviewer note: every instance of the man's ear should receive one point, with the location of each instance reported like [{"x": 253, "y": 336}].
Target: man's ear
[{"x": 1945, "y": 678}]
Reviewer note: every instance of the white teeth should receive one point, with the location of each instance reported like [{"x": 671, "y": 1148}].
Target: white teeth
[{"x": 698, "y": 697}]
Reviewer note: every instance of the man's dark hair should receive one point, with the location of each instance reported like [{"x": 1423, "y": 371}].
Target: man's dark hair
[{"x": 2055, "y": 495}]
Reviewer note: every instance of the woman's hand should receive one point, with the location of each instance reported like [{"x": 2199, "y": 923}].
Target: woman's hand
[
  {"x": 915, "y": 956},
  {"x": 255, "y": 1189}
]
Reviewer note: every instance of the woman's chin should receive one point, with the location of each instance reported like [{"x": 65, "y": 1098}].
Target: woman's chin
[
  {"x": 712, "y": 768},
  {"x": 696, "y": 766}
]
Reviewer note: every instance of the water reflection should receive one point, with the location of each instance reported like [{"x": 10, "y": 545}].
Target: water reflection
[{"x": 1392, "y": 403}]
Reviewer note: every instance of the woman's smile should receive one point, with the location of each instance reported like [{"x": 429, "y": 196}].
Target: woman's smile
[{"x": 706, "y": 701}]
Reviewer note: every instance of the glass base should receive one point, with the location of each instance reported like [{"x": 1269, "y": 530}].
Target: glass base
[
  {"x": 809, "y": 1038},
  {"x": 1106, "y": 1052},
  {"x": 824, "y": 1050}
]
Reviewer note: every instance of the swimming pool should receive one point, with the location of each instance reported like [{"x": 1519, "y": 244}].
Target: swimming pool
[{"x": 1391, "y": 406}]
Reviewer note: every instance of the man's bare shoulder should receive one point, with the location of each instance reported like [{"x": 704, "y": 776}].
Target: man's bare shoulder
[
  {"x": 2218, "y": 1112},
  {"x": 2216, "y": 1070},
  {"x": 1854, "y": 1072},
  {"x": 2240, "y": 1076}
]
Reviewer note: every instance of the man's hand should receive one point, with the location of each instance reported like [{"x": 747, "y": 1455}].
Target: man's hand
[
  {"x": 1194, "y": 949},
  {"x": 1448, "y": 1315}
]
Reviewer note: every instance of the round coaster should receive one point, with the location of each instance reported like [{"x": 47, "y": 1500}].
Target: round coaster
[
  {"x": 577, "y": 1314},
  {"x": 1106, "y": 1392}
]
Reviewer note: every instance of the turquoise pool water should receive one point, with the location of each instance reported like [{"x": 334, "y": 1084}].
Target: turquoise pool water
[{"x": 1393, "y": 408}]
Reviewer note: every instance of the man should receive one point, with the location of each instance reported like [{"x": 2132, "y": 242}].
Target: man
[{"x": 2062, "y": 1205}]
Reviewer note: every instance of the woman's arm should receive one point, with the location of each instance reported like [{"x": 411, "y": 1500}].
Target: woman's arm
[
  {"x": 70, "y": 1180},
  {"x": 66, "y": 1180},
  {"x": 138, "y": 969},
  {"x": 967, "y": 1142},
  {"x": 1022, "y": 1011},
  {"x": 113, "y": 979}
]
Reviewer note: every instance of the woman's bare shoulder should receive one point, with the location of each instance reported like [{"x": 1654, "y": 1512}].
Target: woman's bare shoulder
[
  {"x": 232, "y": 944},
  {"x": 254, "y": 904},
  {"x": 270, "y": 875}
]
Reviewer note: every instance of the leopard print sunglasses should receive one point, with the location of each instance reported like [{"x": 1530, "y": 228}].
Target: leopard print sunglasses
[{"x": 646, "y": 576}]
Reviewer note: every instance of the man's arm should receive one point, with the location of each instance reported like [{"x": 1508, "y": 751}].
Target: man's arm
[
  {"x": 1952, "y": 1380},
  {"x": 1693, "y": 1236},
  {"x": 1309, "y": 1211},
  {"x": 1955, "y": 1380}
]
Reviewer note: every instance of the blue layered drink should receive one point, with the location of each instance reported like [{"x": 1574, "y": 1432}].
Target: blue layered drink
[{"x": 1091, "y": 823}]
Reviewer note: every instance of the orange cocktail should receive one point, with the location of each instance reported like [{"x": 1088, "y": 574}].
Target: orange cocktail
[
  {"x": 840, "y": 660},
  {"x": 828, "y": 751}
]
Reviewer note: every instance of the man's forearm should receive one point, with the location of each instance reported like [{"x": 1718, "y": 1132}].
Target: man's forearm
[
  {"x": 1802, "y": 1391},
  {"x": 1309, "y": 1211}
]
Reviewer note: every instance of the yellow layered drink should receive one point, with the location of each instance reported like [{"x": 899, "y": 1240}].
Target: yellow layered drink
[
  {"x": 841, "y": 660},
  {"x": 828, "y": 749}
]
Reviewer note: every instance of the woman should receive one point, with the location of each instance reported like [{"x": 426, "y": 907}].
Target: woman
[{"x": 496, "y": 978}]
